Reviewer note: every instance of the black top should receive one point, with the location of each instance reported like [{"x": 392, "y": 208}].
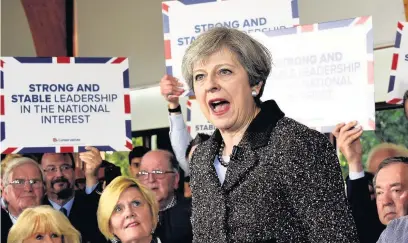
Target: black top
[
  {"x": 6, "y": 224},
  {"x": 174, "y": 224}
]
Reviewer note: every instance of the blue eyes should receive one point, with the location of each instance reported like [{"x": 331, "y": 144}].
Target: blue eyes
[{"x": 134, "y": 203}]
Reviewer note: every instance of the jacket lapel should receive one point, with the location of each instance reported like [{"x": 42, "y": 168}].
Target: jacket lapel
[
  {"x": 256, "y": 136},
  {"x": 245, "y": 160},
  {"x": 211, "y": 147}
]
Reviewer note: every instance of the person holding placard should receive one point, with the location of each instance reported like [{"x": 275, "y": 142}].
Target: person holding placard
[
  {"x": 79, "y": 207},
  {"x": 261, "y": 177}
]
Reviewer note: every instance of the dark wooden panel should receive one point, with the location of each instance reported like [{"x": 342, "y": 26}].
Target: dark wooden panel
[{"x": 48, "y": 24}]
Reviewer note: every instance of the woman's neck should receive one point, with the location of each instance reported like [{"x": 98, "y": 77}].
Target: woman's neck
[
  {"x": 233, "y": 137},
  {"x": 147, "y": 239}
]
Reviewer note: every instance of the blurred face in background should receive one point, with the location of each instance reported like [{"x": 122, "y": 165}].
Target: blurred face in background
[{"x": 134, "y": 166}]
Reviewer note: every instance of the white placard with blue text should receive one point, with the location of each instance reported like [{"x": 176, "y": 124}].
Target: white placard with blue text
[
  {"x": 184, "y": 20},
  {"x": 323, "y": 73},
  {"x": 196, "y": 121},
  {"x": 62, "y": 104}
]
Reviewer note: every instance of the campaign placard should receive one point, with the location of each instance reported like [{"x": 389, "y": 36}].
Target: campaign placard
[
  {"x": 398, "y": 83},
  {"x": 322, "y": 74},
  {"x": 196, "y": 121},
  {"x": 62, "y": 104},
  {"x": 184, "y": 20}
]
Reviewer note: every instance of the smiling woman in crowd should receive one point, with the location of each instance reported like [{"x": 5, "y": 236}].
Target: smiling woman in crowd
[
  {"x": 43, "y": 224},
  {"x": 261, "y": 177},
  {"x": 128, "y": 212}
]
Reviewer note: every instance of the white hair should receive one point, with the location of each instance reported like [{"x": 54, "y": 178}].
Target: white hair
[{"x": 16, "y": 162}]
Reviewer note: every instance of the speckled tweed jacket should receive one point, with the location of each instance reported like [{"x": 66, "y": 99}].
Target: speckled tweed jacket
[{"x": 284, "y": 185}]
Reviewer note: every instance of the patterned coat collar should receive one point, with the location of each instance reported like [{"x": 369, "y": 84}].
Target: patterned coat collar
[{"x": 256, "y": 136}]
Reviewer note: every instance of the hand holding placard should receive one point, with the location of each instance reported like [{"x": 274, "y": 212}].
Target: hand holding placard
[{"x": 92, "y": 162}]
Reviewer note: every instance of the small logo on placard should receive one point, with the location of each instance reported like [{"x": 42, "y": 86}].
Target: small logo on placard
[{"x": 66, "y": 140}]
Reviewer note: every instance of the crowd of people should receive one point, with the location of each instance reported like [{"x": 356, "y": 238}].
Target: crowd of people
[{"x": 260, "y": 177}]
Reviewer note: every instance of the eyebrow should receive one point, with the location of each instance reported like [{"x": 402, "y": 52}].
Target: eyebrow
[
  {"x": 392, "y": 185},
  {"x": 216, "y": 67}
]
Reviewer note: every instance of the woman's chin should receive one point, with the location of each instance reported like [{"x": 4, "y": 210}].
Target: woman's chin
[{"x": 221, "y": 124}]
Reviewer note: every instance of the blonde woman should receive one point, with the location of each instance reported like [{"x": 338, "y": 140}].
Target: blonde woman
[
  {"x": 43, "y": 224},
  {"x": 128, "y": 212}
]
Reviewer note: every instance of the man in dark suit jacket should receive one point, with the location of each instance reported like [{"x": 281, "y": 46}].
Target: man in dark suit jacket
[
  {"x": 6, "y": 224},
  {"x": 82, "y": 216},
  {"x": 60, "y": 184}
]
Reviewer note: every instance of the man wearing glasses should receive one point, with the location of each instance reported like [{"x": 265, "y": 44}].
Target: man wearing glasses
[
  {"x": 159, "y": 172},
  {"x": 23, "y": 187},
  {"x": 61, "y": 195}
]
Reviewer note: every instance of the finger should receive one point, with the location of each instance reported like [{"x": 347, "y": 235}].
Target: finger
[
  {"x": 87, "y": 158},
  {"x": 336, "y": 130},
  {"x": 352, "y": 132},
  {"x": 348, "y": 137},
  {"x": 177, "y": 89},
  {"x": 180, "y": 84},
  {"x": 173, "y": 96},
  {"x": 89, "y": 153},
  {"x": 166, "y": 91},
  {"x": 92, "y": 149},
  {"x": 348, "y": 126},
  {"x": 352, "y": 138}
]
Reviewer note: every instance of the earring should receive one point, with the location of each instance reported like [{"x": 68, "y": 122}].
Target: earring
[
  {"x": 115, "y": 239},
  {"x": 254, "y": 94}
]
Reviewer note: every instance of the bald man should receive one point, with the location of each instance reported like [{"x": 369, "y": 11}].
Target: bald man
[{"x": 159, "y": 172}]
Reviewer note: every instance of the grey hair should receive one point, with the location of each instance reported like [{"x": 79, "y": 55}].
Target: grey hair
[
  {"x": 16, "y": 162},
  {"x": 387, "y": 162},
  {"x": 252, "y": 55}
]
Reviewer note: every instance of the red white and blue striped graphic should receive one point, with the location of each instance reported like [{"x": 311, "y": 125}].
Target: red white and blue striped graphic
[
  {"x": 189, "y": 110},
  {"x": 394, "y": 65},
  {"x": 62, "y": 61}
]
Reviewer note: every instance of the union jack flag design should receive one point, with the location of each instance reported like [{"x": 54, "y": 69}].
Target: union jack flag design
[{"x": 63, "y": 61}]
